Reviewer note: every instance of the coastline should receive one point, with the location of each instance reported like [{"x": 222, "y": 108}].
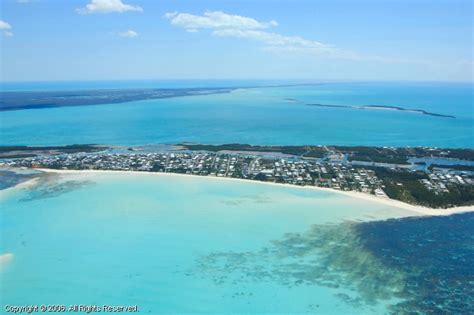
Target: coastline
[{"x": 353, "y": 194}]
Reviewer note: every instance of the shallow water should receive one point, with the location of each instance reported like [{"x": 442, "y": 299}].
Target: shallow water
[
  {"x": 420, "y": 265},
  {"x": 259, "y": 116},
  {"x": 10, "y": 178},
  {"x": 155, "y": 241}
]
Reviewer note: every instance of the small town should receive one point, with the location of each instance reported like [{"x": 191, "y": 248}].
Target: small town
[{"x": 332, "y": 172}]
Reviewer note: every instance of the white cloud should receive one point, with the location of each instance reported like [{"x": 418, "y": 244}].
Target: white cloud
[
  {"x": 234, "y": 26},
  {"x": 128, "y": 34},
  {"x": 216, "y": 20},
  {"x": 5, "y": 27},
  {"x": 107, "y": 6},
  {"x": 227, "y": 25},
  {"x": 275, "y": 42}
]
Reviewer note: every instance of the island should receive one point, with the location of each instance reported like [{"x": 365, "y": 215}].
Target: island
[
  {"x": 385, "y": 107},
  {"x": 412, "y": 175},
  {"x": 21, "y": 100},
  {"x": 423, "y": 176},
  {"x": 18, "y": 100}
]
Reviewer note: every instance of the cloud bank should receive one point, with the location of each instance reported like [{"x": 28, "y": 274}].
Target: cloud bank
[
  {"x": 235, "y": 26},
  {"x": 280, "y": 43},
  {"x": 227, "y": 25}
]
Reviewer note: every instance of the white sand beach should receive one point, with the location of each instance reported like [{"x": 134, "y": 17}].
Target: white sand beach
[{"x": 353, "y": 194}]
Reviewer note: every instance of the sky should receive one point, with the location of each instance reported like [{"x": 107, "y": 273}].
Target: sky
[{"x": 420, "y": 40}]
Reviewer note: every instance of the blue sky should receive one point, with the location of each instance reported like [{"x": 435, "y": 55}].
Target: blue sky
[{"x": 267, "y": 39}]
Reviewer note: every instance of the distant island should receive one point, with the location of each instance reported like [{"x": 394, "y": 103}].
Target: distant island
[
  {"x": 46, "y": 99},
  {"x": 384, "y": 107},
  {"x": 18, "y": 100},
  {"x": 430, "y": 177}
]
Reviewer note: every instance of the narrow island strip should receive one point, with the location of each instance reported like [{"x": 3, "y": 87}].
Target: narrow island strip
[{"x": 384, "y": 107}]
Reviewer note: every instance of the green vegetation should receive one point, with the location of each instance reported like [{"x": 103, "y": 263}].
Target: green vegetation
[
  {"x": 19, "y": 156},
  {"x": 406, "y": 186},
  {"x": 10, "y": 152},
  {"x": 357, "y": 153},
  {"x": 66, "y": 148},
  {"x": 307, "y": 151},
  {"x": 456, "y": 167},
  {"x": 261, "y": 177},
  {"x": 462, "y": 154},
  {"x": 375, "y": 154},
  {"x": 315, "y": 152},
  {"x": 401, "y": 155}
]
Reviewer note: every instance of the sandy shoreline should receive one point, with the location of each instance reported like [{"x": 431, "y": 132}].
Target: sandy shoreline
[{"x": 353, "y": 194}]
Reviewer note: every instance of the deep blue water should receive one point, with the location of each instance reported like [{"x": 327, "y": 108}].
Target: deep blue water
[
  {"x": 424, "y": 265},
  {"x": 255, "y": 116},
  {"x": 434, "y": 254}
]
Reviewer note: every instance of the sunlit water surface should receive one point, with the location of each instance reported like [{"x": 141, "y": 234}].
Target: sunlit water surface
[
  {"x": 278, "y": 115},
  {"x": 186, "y": 244}
]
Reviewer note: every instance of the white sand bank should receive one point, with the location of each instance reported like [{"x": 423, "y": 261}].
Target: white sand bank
[{"x": 5, "y": 259}]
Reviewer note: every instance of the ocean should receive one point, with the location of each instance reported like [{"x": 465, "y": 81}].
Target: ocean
[
  {"x": 182, "y": 244},
  {"x": 210, "y": 246},
  {"x": 266, "y": 116},
  {"x": 186, "y": 244}
]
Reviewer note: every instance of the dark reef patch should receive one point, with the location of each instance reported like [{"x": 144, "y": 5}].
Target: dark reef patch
[
  {"x": 50, "y": 186},
  {"x": 11, "y": 178},
  {"x": 417, "y": 265},
  {"x": 436, "y": 255}
]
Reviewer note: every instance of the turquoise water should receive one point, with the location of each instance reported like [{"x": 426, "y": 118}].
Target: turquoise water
[
  {"x": 158, "y": 242},
  {"x": 183, "y": 244},
  {"x": 257, "y": 116}
]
